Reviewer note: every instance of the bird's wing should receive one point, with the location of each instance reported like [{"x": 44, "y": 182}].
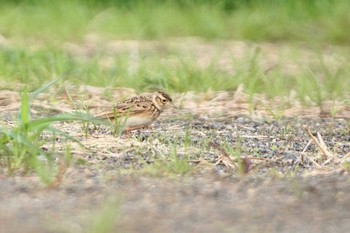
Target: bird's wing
[{"x": 126, "y": 109}]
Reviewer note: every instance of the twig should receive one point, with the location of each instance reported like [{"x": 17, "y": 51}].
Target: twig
[
  {"x": 305, "y": 148},
  {"x": 323, "y": 148},
  {"x": 301, "y": 157},
  {"x": 224, "y": 158}
]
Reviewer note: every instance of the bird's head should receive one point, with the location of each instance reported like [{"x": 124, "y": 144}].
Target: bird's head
[{"x": 162, "y": 100}]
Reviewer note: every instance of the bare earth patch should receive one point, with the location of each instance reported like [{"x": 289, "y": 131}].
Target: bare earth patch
[{"x": 251, "y": 171}]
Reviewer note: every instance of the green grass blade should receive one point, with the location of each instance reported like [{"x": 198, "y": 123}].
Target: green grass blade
[
  {"x": 25, "y": 116},
  {"x": 61, "y": 118},
  {"x": 44, "y": 87}
]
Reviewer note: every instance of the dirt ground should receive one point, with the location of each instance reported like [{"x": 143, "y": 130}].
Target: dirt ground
[
  {"x": 288, "y": 182},
  {"x": 317, "y": 203},
  {"x": 258, "y": 166}
]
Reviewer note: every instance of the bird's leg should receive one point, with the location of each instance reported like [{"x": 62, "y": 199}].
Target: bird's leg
[{"x": 127, "y": 131}]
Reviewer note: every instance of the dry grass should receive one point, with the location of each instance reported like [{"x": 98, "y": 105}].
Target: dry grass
[
  {"x": 154, "y": 145},
  {"x": 215, "y": 105}
]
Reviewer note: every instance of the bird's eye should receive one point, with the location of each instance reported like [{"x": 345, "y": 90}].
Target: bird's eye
[{"x": 164, "y": 100}]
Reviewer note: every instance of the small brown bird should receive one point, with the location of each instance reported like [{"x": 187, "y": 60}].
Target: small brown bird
[{"x": 139, "y": 111}]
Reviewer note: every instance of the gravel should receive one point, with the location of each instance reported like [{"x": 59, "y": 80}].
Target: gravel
[{"x": 107, "y": 185}]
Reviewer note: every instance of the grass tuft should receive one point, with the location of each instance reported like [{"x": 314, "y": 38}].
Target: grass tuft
[
  {"x": 21, "y": 147},
  {"x": 169, "y": 166}
]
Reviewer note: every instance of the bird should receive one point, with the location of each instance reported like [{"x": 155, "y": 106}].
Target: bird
[{"x": 139, "y": 111}]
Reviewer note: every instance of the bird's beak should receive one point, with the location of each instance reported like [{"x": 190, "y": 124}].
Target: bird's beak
[{"x": 173, "y": 105}]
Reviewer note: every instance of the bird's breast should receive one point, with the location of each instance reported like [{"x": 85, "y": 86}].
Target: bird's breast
[{"x": 135, "y": 121}]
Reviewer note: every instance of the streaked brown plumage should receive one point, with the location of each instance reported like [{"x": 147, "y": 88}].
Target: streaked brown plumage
[{"x": 139, "y": 111}]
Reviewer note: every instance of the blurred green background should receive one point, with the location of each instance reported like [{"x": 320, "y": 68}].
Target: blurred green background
[
  {"x": 325, "y": 21},
  {"x": 41, "y": 40}
]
